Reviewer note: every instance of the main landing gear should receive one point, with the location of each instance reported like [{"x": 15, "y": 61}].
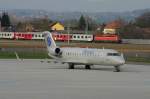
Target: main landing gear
[
  {"x": 116, "y": 68},
  {"x": 87, "y": 67},
  {"x": 71, "y": 66}
]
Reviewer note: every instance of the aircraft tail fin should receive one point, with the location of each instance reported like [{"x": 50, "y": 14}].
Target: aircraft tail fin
[{"x": 50, "y": 43}]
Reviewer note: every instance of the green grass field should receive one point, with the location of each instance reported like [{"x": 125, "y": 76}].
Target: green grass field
[
  {"x": 44, "y": 55},
  {"x": 24, "y": 55},
  {"x": 41, "y": 44}
]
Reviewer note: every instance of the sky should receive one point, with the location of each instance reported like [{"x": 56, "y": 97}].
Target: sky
[{"x": 76, "y": 5}]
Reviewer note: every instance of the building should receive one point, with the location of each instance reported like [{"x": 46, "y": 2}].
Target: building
[
  {"x": 113, "y": 27},
  {"x": 57, "y": 26},
  {"x": 29, "y": 28}
]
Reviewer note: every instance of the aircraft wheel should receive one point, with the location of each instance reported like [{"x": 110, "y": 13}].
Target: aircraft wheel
[
  {"x": 117, "y": 68},
  {"x": 87, "y": 67},
  {"x": 71, "y": 66}
]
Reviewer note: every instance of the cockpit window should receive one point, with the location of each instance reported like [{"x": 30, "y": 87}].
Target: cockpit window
[{"x": 113, "y": 54}]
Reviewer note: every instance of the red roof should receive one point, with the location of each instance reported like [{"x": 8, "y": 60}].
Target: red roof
[{"x": 114, "y": 25}]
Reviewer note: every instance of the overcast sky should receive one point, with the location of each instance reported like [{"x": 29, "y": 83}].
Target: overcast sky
[{"x": 76, "y": 5}]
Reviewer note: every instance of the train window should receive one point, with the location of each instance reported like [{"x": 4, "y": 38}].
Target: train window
[
  {"x": 78, "y": 36},
  {"x": 89, "y": 36},
  {"x": 42, "y": 35},
  {"x": 35, "y": 35},
  {"x": 81, "y": 36},
  {"x": 74, "y": 36},
  {"x": 32, "y": 35},
  {"x": 39, "y": 35},
  {"x": 85, "y": 36}
]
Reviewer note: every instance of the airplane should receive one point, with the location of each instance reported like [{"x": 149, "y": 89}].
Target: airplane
[{"x": 83, "y": 56}]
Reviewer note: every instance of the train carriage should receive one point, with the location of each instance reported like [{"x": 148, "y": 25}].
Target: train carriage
[
  {"x": 23, "y": 35},
  {"x": 6, "y": 35},
  {"x": 62, "y": 37}
]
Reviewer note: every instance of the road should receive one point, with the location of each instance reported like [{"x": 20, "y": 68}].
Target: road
[{"x": 36, "y": 79}]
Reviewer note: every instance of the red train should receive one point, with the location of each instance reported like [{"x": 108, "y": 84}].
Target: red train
[
  {"x": 107, "y": 38},
  {"x": 61, "y": 37}
]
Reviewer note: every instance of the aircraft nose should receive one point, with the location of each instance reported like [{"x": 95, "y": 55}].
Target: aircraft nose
[{"x": 121, "y": 61}]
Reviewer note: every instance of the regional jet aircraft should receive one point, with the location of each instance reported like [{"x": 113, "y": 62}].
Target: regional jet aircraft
[{"x": 83, "y": 56}]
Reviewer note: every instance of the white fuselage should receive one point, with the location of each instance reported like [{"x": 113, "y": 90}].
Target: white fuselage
[
  {"x": 88, "y": 56},
  {"x": 85, "y": 56}
]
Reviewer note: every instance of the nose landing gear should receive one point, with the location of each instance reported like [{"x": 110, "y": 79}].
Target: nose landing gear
[{"x": 116, "y": 68}]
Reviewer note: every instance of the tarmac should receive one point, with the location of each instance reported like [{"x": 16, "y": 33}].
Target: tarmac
[{"x": 42, "y": 79}]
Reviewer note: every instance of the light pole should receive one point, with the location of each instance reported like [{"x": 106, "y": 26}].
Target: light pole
[
  {"x": 86, "y": 28},
  {"x": 68, "y": 29}
]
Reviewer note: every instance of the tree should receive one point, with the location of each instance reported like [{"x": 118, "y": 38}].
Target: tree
[
  {"x": 20, "y": 27},
  {"x": 92, "y": 25},
  {"x": 82, "y": 23},
  {"x": 143, "y": 21},
  {"x": 41, "y": 24},
  {"x": 5, "y": 21}
]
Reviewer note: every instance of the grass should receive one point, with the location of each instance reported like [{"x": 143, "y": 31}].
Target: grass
[
  {"x": 138, "y": 59},
  {"x": 34, "y": 55},
  {"x": 43, "y": 55},
  {"x": 41, "y": 44},
  {"x": 7, "y": 55},
  {"x": 24, "y": 55}
]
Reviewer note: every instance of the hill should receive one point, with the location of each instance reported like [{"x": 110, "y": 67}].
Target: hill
[{"x": 27, "y": 14}]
